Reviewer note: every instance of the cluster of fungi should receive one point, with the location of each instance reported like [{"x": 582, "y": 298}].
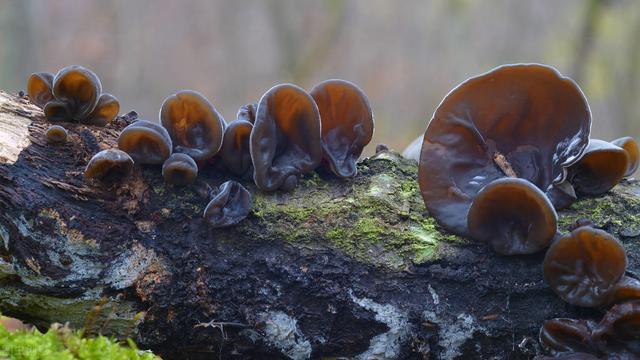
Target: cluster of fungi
[
  {"x": 503, "y": 152},
  {"x": 288, "y": 133}
]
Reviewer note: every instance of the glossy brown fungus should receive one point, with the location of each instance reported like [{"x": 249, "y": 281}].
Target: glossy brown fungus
[
  {"x": 523, "y": 120},
  {"x": 583, "y": 266},
  {"x": 194, "y": 125},
  {"x": 146, "y": 142},
  {"x": 620, "y": 328},
  {"x": 285, "y": 141},
  {"x": 563, "y": 335},
  {"x": 514, "y": 216},
  {"x": 235, "y": 150},
  {"x": 39, "y": 88},
  {"x": 56, "y": 134},
  {"x": 109, "y": 166},
  {"x": 562, "y": 195},
  {"x": 629, "y": 145},
  {"x": 601, "y": 168},
  {"x": 627, "y": 289},
  {"x": 247, "y": 112},
  {"x": 229, "y": 205},
  {"x": 347, "y": 124},
  {"x": 180, "y": 170},
  {"x": 105, "y": 111}
]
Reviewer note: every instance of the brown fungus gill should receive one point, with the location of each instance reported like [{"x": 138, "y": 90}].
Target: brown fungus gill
[
  {"x": 193, "y": 123},
  {"x": 629, "y": 145},
  {"x": 180, "y": 170},
  {"x": 512, "y": 215},
  {"x": 347, "y": 124},
  {"x": 620, "y": 328},
  {"x": 146, "y": 142},
  {"x": 584, "y": 266},
  {"x": 56, "y": 134},
  {"x": 627, "y": 289},
  {"x": 109, "y": 166},
  {"x": 525, "y": 121},
  {"x": 235, "y": 152},
  {"x": 285, "y": 141},
  {"x": 601, "y": 168},
  {"x": 229, "y": 205},
  {"x": 563, "y": 335}
]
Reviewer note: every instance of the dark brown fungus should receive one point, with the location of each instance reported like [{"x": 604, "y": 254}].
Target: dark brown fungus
[
  {"x": 235, "y": 147},
  {"x": 194, "y": 125},
  {"x": 522, "y": 120},
  {"x": 179, "y": 169},
  {"x": 146, "y": 142},
  {"x": 347, "y": 124},
  {"x": 514, "y": 216},
  {"x": 109, "y": 166},
  {"x": 563, "y": 335},
  {"x": 629, "y": 145},
  {"x": 39, "y": 88},
  {"x": 247, "y": 112},
  {"x": 627, "y": 289},
  {"x": 285, "y": 141},
  {"x": 583, "y": 266},
  {"x": 77, "y": 89},
  {"x": 229, "y": 205},
  {"x": 620, "y": 328},
  {"x": 56, "y": 134},
  {"x": 105, "y": 111},
  {"x": 601, "y": 168},
  {"x": 562, "y": 195}
]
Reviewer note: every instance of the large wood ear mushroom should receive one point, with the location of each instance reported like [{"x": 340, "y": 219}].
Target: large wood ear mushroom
[
  {"x": 194, "y": 125},
  {"x": 563, "y": 335},
  {"x": 109, "y": 166},
  {"x": 525, "y": 121},
  {"x": 235, "y": 151},
  {"x": 229, "y": 205},
  {"x": 285, "y": 141},
  {"x": 601, "y": 168},
  {"x": 78, "y": 90},
  {"x": 347, "y": 124},
  {"x": 633, "y": 153},
  {"x": 584, "y": 266},
  {"x": 146, "y": 142},
  {"x": 514, "y": 216},
  {"x": 180, "y": 170},
  {"x": 39, "y": 88}
]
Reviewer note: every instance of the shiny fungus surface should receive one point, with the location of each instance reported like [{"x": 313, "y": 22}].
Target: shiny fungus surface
[
  {"x": 109, "y": 165},
  {"x": 601, "y": 168},
  {"x": 56, "y": 134},
  {"x": 146, "y": 142},
  {"x": 235, "y": 150},
  {"x": 285, "y": 141},
  {"x": 229, "y": 205},
  {"x": 583, "y": 266},
  {"x": 524, "y": 120},
  {"x": 627, "y": 289},
  {"x": 180, "y": 170},
  {"x": 514, "y": 216},
  {"x": 39, "y": 88},
  {"x": 630, "y": 145},
  {"x": 193, "y": 123},
  {"x": 620, "y": 326},
  {"x": 562, "y": 335},
  {"x": 347, "y": 124}
]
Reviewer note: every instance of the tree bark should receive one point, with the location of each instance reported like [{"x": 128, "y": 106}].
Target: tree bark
[{"x": 335, "y": 268}]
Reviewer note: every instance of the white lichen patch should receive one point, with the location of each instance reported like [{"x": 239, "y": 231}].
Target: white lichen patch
[
  {"x": 14, "y": 131},
  {"x": 4, "y": 237},
  {"x": 382, "y": 186},
  {"x": 129, "y": 266},
  {"x": 282, "y": 332},
  {"x": 453, "y": 333},
  {"x": 388, "y": 344}
]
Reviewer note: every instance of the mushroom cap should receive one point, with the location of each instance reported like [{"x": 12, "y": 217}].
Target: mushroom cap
[
  {"x": 514, "y": 216},
  {"x": 105, "y": 111},
  {"x": 347, "y": 124},
  {"x": 583, "y": 266},
  {"x": 247, "y": 112},
  {"x": 180, "y": 169},
  {"x": 562, "y": 195},
  {"x": 230, "y": 205},
  {"x": 601, "y": 168},
  {"x": 629, "y": 145},
  {"x": 146, "y": 142},
  {"x": 562, "y": 335},
  {"x": 193, "y": 123},
  {"x": 285, "y": 141},
  {"x": 56, "y": 134},
  {"x": 627, "y": 289},
  {"x": 109, "y": 165},
  {"x": 235, "y": 151},
  {"x": 79, "y": 88},
  {"x": 620, "y": 324},
  {"x": 39, "y": 88},
  {"x": 529, "y": 115}
]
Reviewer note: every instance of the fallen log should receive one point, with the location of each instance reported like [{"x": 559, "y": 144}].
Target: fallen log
[{"x": 334, "y": 268}]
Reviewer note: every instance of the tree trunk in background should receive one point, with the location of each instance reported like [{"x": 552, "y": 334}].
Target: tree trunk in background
[{"x": 333, "y": 269}]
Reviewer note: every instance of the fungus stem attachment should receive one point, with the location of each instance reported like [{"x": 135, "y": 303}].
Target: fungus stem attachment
[{"x": 504, "y": 165}]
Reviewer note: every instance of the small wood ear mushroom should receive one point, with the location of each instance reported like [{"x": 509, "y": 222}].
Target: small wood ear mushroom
[
  {"x": 627, "y": 289},
  {"x": 620, "y": 328},
  {"x": 347, "y": 124},
  {"x": 524, "y": 120},
  {"x": 514, "y": 216},
  {"x": 247, "y": 112},
  {"x": 39, "y": 88},
  {"x": 601, "y": 168},
  {"x": 146, "y": 142},
  {"x": 583, "y": 267},
  {"x": 285, "y": 141},
  {"x": 230, "y": 205},
  {"x": 56, "y": 134},
  {"x": 633, "y": 153},
  {"x": 235, "y": 151},
  {"x": 567, "y": 336},
  {"x": 109, "y": 166},
  {"x": 180, "y": 170},
  {"x": 105, "y": 111},
  {"x": 194, "y": 125}
]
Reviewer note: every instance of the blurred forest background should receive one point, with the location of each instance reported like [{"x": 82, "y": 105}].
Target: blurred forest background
[{"x": 406, "y": 55}]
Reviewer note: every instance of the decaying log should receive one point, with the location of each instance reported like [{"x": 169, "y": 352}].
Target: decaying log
[{"x": 335, "y": 268}]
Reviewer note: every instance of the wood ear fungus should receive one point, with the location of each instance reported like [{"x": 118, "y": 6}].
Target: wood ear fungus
[
  {"x": 229, "y": 205},
  {"x": 514, "y": 216},
  {"x": 347, "y": 124},
  {"x": 39, "y": 88},
  {"x": 285, "y": 141},
  {"x": 247, "y": 112},
  {"x": 109, "y": 166},
  {"x": 180, "y": 170},
  {"x": 194, "y": 125},
  {"x": 562, "y": 335},
  {"x": 633, "y": 153},
  {"x": 601, "y": 168},
  {"x": 145, "y": 142},
  {"x": 235, "y": 151},
  {"x": 56, "y": 134},
  {"x": 620, "y": 328}
]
